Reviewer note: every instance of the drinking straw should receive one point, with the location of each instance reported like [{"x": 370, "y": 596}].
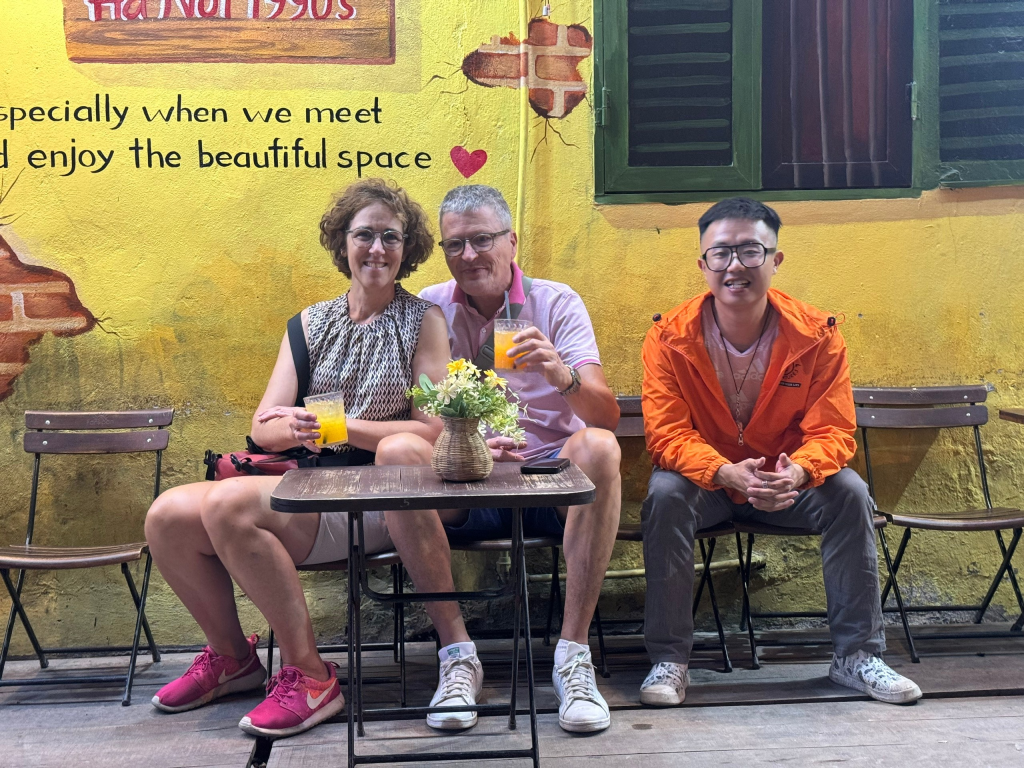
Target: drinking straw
[{"x": 508, "y": 312}]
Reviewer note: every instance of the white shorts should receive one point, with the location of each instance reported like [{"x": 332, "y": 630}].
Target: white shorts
[{"x": 332, "y": 538}]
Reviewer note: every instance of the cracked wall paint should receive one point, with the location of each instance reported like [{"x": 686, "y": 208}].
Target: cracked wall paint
[{"x": 34, "y": 301}]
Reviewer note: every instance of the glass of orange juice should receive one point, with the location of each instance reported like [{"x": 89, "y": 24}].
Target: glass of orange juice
[
  {"x": 504, "y": 330},
  {"x": 329, "y": 410}
]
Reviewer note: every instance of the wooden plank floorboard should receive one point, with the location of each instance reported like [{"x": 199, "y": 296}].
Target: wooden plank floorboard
[
  {"x": 709, "y": 729},
  {"x": 984, "y": 731}
]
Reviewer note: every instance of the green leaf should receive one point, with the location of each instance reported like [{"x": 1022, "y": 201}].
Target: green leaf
[{"x": 425, "y": 383}]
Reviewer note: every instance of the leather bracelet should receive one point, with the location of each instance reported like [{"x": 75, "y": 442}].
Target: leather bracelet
[{"x": 574, "y": 387}]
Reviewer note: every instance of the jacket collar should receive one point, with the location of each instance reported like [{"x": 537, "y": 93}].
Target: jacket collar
[{"x": 800, "y": 325}]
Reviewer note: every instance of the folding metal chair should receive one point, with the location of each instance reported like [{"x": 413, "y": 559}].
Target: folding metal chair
[
  {"x": 941, "y": 408},
  {"x": 396, "y": 646},
  {"x": 706, "y": 538},
  {"x": 748, "y": 615},
  {"x": 83, "y": 433}
]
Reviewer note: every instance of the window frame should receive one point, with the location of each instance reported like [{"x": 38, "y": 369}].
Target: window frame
[{"x": 611, "y": 121}]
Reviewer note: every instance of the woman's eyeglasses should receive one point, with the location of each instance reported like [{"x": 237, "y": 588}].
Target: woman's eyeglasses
[{"x": 391, "y": 239}]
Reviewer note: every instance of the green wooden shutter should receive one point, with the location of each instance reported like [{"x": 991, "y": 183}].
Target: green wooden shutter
[
  {"x": 678, "y": 95},
  {"x": 981, "y": 92}
]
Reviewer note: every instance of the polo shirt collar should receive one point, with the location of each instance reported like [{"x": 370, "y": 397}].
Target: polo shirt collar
[{"x": 516, "y": 294}]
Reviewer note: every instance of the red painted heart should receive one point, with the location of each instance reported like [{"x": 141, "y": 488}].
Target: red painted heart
[{"x": 468, "y": 163}]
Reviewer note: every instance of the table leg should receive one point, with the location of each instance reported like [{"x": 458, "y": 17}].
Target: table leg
[
  {"x": 525, "y": 597},
  {"x": 359, "y": 565},
  {"x": 352, "y": 589},
  {"x": 517, "y": 608}
]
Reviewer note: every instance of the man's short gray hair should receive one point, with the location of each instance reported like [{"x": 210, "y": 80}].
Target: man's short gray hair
[{"x": 472, "y": 197}]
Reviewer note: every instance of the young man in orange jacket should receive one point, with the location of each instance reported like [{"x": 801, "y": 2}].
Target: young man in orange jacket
[{"x": 749, "y": 415}]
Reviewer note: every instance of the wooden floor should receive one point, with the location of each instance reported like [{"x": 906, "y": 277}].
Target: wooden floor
[{"x": 786, "y": 713}]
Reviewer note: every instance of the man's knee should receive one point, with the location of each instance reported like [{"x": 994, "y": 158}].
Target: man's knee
[
  {"x": 597, "y": 450},
  {"x": 669, "y": 494},
  {"x": 403, "y": 448},
  {"x": 848, "y": 497}
]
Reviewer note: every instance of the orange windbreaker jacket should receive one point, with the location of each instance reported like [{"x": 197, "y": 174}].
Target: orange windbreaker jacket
[{"x": 805, "y": 408}]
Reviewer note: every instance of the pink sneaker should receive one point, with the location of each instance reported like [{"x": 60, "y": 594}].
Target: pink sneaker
[
  {"x": 210, "y": 677},
  {"x": 294, "y": 703}
]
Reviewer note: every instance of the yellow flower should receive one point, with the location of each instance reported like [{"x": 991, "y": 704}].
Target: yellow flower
[
  {"x": 457, "y": 366},
  {"x": 494, "y": 380}
]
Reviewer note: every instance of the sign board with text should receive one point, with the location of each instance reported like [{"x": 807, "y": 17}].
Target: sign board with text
[{"x": 239, "y": 31}]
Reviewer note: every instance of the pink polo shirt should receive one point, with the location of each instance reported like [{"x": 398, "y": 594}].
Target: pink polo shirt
[{"x": 558, "y": 311}]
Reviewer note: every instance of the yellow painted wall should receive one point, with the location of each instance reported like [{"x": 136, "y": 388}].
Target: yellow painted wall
[{"x": 193, "y": 273}]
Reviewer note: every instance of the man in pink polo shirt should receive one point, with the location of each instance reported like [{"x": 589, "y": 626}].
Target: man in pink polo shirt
[{"x": 558, "y": 376}]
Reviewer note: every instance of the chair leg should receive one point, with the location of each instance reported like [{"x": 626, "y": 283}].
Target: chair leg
[
  {"x": 705, "y": 560},
  {"x": 394, "y": 589},
  {"x": 726, "y": 663},
  {"x": 600, "y": 643},
  {"x": 891, "y": 568},
  {"x": 1013, "y": 576},
  {"x": 739, "y": 559},
  {"x": 270, "y": 654},
  {"x": 138, "y": 633},
  {"x": 755, "y": 663},
  {"x": 1004, "y": 567},
  {"x": 18, "y": 608},
  {"x": 553, "y": 595},
  {"x": 896, "y": 564},
  {"x": 153, "y": 650},
  {"x": 401, "y": 631}
]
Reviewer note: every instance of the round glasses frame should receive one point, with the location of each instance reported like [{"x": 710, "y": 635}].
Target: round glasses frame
[
  {"x": 390, "y": 239},
  {"x": 483, "y": 242},
  {"x": 756, "y": 255}
]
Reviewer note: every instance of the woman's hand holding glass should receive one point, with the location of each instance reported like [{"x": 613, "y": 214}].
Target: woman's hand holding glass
[{"x": 301, "y": 424}]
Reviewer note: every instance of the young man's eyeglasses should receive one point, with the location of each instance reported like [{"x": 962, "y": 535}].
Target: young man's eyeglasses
[
  {"x": 454, "y": 246},
  {"x": 391, "y": 239},
  {"x": 751, "y": 255}
]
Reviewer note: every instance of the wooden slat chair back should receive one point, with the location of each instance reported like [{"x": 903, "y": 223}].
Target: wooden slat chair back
[
  {"x": 952, "y": 408},
  {"x": 55, "y": 433}
]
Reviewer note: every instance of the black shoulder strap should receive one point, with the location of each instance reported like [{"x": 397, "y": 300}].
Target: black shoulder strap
[
  {"x": 300, "y": 356},
  {"x": 485, "y": 357}
]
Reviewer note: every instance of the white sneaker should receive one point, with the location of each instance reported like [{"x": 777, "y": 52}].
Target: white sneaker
[
  {"x": 665, "y": 686},
  {"x": 582, "y": 708},
  {"x": 462, "y": 676},
  {"x": 867, "y": 673}
]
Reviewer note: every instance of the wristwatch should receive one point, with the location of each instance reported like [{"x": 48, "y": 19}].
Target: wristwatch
[{"x": 574, "y": 387}]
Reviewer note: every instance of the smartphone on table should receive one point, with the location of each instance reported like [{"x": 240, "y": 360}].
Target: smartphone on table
[{"x": 544, "y": 466}]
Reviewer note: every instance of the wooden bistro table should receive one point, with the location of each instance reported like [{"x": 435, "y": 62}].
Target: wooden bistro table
[
  {"x": 363, "y": 489},
  {"x": 1012, "y": 414}
]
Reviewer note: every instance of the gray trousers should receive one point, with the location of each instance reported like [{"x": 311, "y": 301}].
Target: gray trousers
[{"x": 840, "y": 509}]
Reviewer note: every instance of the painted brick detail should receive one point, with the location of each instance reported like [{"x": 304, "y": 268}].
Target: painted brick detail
[
  {"x": 33, "y": 301},
  {"x": 551, "y": 60}
]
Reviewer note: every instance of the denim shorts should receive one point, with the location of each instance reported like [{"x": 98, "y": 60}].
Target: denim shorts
[{"x": 496, "y": 523}]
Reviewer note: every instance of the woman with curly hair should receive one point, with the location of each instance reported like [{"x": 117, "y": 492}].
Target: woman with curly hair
[{"x": 371, "y": 344}]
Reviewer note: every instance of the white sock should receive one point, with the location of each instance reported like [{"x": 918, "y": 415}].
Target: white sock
[
  {"x": 457, "y": 650},
  {"x": 567, "y": 648}
]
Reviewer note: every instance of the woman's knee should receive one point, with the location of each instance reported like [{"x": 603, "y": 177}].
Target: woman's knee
[
  {"x": 229, "y": 505},
  {"x": 172, "y": 514},
  {"x": 403, "y": 448}
]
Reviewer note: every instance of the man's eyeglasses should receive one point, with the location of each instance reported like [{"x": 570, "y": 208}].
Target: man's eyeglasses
[
  {"x": 391, "y": 239},
  {"x": 751, "y": 255},
  {"x": 454, "y": 246}
]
